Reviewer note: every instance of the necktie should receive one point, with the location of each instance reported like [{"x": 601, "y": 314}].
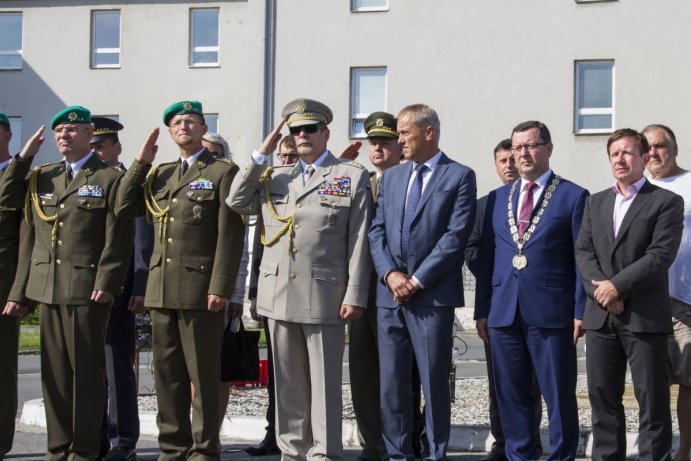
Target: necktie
[
  {"x": 69, "y": 175},
  {"x": 526, "y": 208},
  {"x": 410, "y": 207},
  {"x": 183, "y": 168},
  {"x": 310, "y": 172}
]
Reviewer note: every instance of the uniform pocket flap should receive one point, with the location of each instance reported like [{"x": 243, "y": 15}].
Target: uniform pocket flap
[
  {"x": 91, "y": 203},
  {"x": 199, "y": 263},
  {"x": 84, "y": 261},
  {"x": 329, "y": 274},
  {"x": 200, "y": 195},
  {"x": 40, "y": 257},
  {"x": 268, "y": 268}
]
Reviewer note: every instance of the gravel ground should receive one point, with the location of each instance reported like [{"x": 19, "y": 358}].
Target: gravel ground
[{"x": 470, "y": 407}]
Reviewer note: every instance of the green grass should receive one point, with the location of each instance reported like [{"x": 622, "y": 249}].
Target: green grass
[{"x": 29, "y": 340}]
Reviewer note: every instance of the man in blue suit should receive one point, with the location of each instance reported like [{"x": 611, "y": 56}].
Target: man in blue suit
[
  {"x": 425, "y": 213},
  {"x": 530, "y": 296}
]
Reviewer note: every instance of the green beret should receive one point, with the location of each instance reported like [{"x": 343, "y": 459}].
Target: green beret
[
  {"x": 104, "y": 127},
  {"x": 72, "y": 114},
  {"x": 306, "y": 112},
  {"x": 180, "y": 108},
  {"x": 4, "y": 120},
  {"x": 381, "y": 125}
]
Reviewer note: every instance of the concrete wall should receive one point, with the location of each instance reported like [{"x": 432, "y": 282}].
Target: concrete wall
[{"x": 483, "y": 65}]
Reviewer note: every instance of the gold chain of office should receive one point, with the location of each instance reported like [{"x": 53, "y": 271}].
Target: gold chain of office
[
  {"x": 155, "y": 211},
  {"x": 288, "y": 221},
  {"x": 32, "y": 197}
]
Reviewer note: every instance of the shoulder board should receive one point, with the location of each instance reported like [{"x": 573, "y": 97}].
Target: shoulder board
[
  {"x": 352, "y": 163},
  {"x": 169, "y": 163},
  {"x": 59, "y": 162}
]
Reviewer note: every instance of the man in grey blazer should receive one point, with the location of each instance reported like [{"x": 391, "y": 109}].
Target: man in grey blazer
[
  {"x": 314, "y": 274},
  {"x": 629, "y": 237}
]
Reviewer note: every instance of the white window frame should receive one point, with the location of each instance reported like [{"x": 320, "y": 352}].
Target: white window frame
[
  {"x": 96, "y": 51},
  {"x": 205, "y": 49},
  {"x": 18, "y": 52},
  {"x": 212, "y": 116},
  {"x": 354, "y": 92},
  {"x": 354, "y": 8},
  {"x": 578, "y": 111},
  {"x": 16, "y": 128}
]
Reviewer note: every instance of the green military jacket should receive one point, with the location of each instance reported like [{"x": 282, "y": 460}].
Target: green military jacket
[
  {"x": 198, "y": 243},
  {"x": 84, "y": 248}
]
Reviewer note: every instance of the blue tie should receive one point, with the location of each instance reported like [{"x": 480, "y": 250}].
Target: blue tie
[{"x": 410, "y": 207}]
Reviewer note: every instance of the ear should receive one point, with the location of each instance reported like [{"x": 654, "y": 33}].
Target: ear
[
  {"x": 327, "y": 133},
  {"x": 429, "y": 133},
  {"x": 550, "y": 146}
]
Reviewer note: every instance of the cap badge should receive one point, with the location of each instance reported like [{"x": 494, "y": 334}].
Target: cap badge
[
  {"x": 72, "y": 116},
  {"x": 300, "y": 109},
  {"x": 187, "y": 105},
  {"x": 380, "y": 122}
]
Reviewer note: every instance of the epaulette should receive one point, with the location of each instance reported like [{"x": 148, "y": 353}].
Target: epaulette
[{"x": 352, "y": 163}]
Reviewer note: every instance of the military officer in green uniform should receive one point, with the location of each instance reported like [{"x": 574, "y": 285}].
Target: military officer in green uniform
[
  {"x": 197, "y": 249},
  {"x": 314, "y": 274},
  {"x": 72, "y": 263},
  {"x": 384, "y": 152}
]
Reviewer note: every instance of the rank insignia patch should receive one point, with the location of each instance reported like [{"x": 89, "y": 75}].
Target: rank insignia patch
[
  {"x": 339, "y": 187},
  {"x": 90, "y": 190},
  {"x": 201, "y": 184}
]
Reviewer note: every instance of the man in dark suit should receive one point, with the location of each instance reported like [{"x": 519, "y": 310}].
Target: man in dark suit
[
  {"x": 529, "y": 299},
  {"x": 73, "y": 260},
  {"x": 120, "y": 427},
  {"x": 629, "y": 238},
  {"x": 505, "y": 165},
  {"x": 425, "y": 213},
  {"x": 197, "y": 250}
]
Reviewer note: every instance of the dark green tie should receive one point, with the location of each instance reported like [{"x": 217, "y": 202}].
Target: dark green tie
[{"x": 183, "y": 168}]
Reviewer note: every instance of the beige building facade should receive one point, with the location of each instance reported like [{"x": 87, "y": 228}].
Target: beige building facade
[{"x": 584, "y": 68}]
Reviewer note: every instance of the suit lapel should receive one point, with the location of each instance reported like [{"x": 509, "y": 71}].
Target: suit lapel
[
  {"x": 319, "y": 176},
  {"x": 639, "y": 202},
  {"x": 607, "y": 216},
  {"x": 193, "y": 172},
  {"x": 399, "y": 190},
  {"x": 82, "y": 175},
  {"x": 432, "y": 183}
]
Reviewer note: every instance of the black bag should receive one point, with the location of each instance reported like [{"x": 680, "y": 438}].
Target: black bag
[{"x": 240, "y": 354}]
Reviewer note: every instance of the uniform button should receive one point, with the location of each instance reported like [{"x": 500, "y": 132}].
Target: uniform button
[
  {"x": 172, "y": 219},
  {"x": 61, "y": 224},
  {"x": 292, "y": 275},
  {"x": 299, "y": 205},
  {"x": 333, "y": 279},
  {"x": 199, "y": 197},
  {"x": 297, "y": 226},
  {"x": 333, "y": 204},
  {"x": 168, "y": 260},
  {"x": 36, "y": 260},
  {"x": 43, "y": 202},
  {"x": 170, "y": 240},
  {"x": 92, "y": 265},
  {"x": 59, "y": 242},
  {"x": 174, "y": 200},
  {"x": 57, "y": 261},
  {"x": 202, "y": 267},
  {"x": 295, "y": 250},
  {"x": 88, "y": 205}
]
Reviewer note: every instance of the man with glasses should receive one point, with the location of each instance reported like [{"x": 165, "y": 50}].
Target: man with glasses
[
  {"x": 287, "y": 155},
  {"x": 74, "y": 256},
  {"x": 666, "y": 173},
  {"x": 197, "y": 250},
  {"x": 314, "y": 274},
  {"x": 529, "y": 298}
]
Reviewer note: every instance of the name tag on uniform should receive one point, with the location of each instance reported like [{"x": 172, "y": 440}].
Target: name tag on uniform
[
  {"x": 337, "y": 186},
  {"x": 201, "y": 184},
  {"x": 89, "y": 190}
]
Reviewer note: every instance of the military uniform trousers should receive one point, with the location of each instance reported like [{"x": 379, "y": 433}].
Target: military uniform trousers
[
  {"x": 187, "y": 349},
  {"x": 9, "y": 343},
  {"x": 308, "y": 370},
  {"x": 73, "y": 378}
]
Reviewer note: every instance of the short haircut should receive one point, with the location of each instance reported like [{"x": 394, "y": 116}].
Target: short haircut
[
  {"x": 529, "y": 125},
  {"x": 641, "y": 142},
  {"x": 504, "y": 144},
  {"x": 215, "y": 138},
  {"x": 657, "y": 126},
  {"x": 422, "y": 116},
  {"x": 288, "y": 142}
]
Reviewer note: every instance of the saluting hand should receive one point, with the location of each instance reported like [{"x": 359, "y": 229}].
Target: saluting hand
[
  {"x": 352, "y": 151},
  {"x": 31, "y": 147},
  {"x": 215, "y": 303},
  {"x": 147, "y": 153},
  {"x": 272, "y": 139},
  {"x": 349, "y": 312}
]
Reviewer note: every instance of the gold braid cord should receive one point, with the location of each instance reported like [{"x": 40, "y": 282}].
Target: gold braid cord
[
  {"x": 286, "y": 220},
  {"x": 32, "y": 197},
  {"x": 152, "y": 207}
]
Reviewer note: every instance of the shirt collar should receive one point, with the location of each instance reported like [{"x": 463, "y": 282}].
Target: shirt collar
[
  {"x": 541, "y": 181},
  {"x": 192, "y": 158},
  {"x": 317, "y": 163},
  {"x": 633, "y": 188},
  {"x": 76, "y": 166},
  {"x": 431, "y": 163},
  {"x": 4, "y": 164}
]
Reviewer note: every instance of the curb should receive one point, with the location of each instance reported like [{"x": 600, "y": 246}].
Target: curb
[{"x": 251, "y": 430}]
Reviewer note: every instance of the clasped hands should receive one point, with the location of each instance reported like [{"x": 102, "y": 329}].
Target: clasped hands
[
  {"x": 402, "y": 286},
  {"x": 607, "y": 296}
]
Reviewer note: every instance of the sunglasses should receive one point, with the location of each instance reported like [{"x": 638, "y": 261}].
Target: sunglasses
[{"x": 306, "y": 128}]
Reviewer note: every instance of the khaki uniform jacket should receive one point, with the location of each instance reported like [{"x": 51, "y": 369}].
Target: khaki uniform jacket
[
  {"x": 198, "y": 251},
  {"x": 328, "y": 263},
  {"x": 91, "y": 247}
]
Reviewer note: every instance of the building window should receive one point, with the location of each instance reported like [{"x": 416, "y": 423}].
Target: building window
[
  {"x": 211, "y": 122},
  {"x": 105, "y": 39},
  {"x": 11, "y": 41},
  {"x": 16, "y": 141},
  {"x": 369, "y": 5},
  {"x": 204, "y": 37},
  {"x": 594, "y": 107},
  {"x": 367, "y": 95}
]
